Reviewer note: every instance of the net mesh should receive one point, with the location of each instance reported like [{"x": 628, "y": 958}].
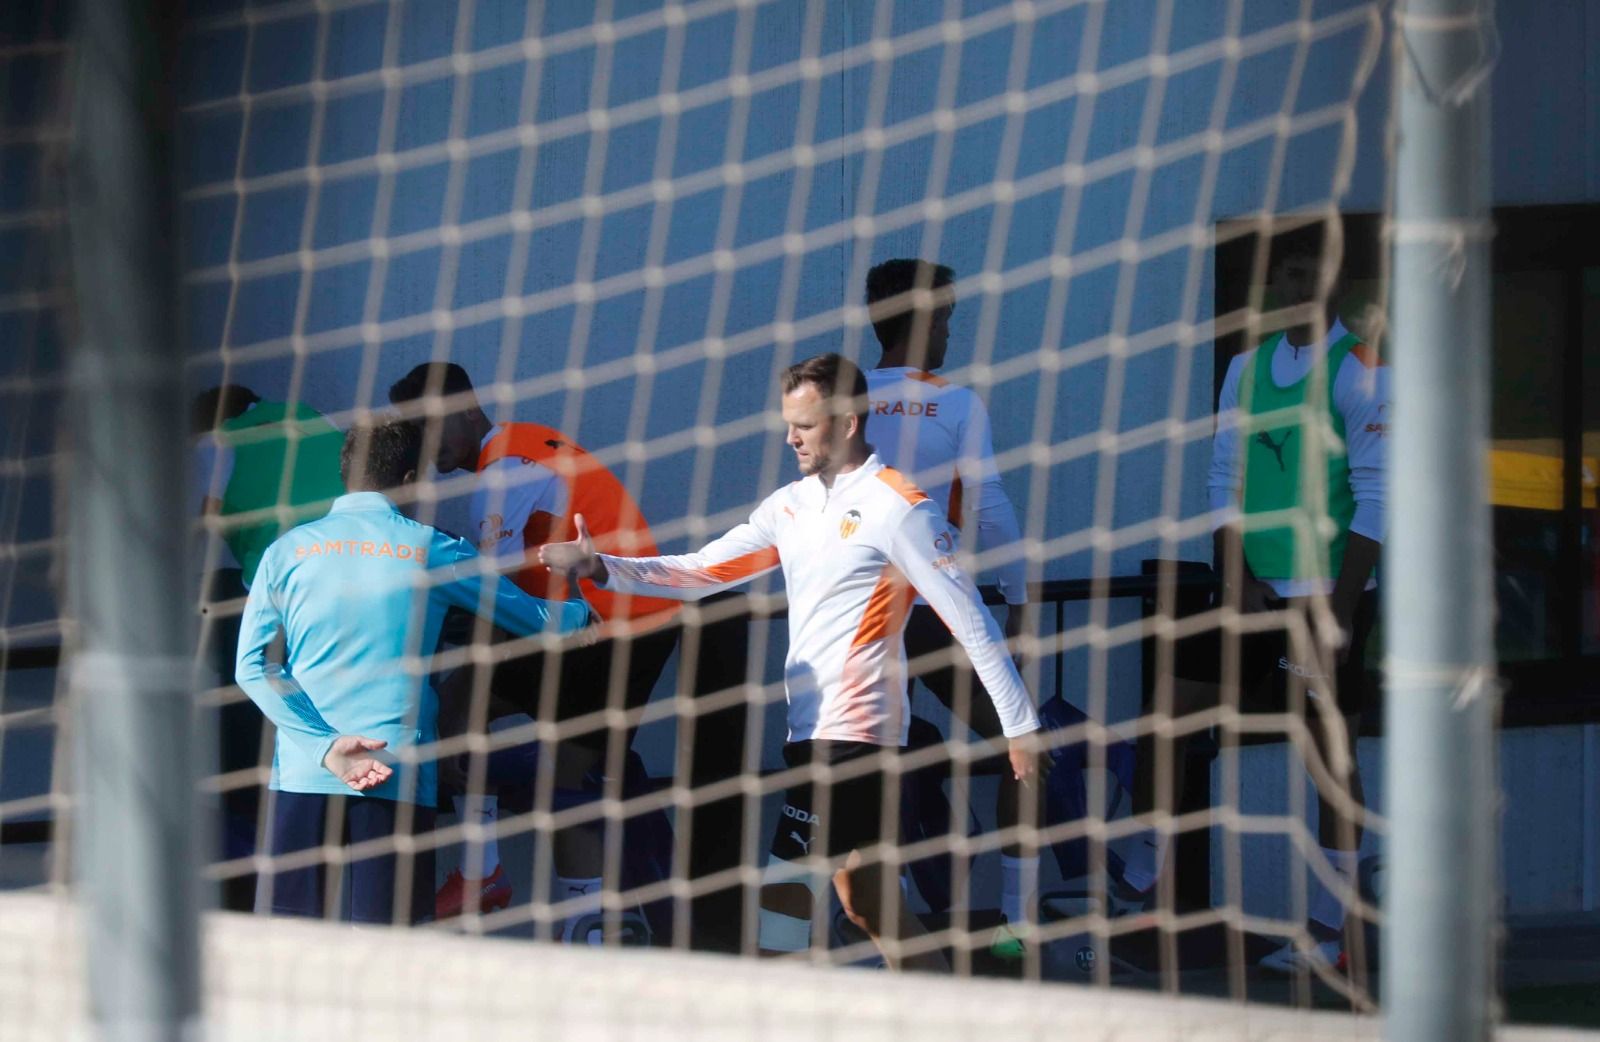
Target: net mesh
[
  {"x": 33, "y": 137},
  {"x": 624, "y": 221}
]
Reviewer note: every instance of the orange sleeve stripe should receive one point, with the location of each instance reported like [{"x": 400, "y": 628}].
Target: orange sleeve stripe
[
  {"x": 901, "y": 484},
  {"x": 743, "y": 567},
  {"x": 886, "y": 609},
  {"x": 734, "y": 570}
]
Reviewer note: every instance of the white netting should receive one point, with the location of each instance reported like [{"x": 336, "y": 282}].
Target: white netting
[
  {"x": 623, "y": 221},
  {"x": 273, "y": 979},
  {"x": 276, "y": 979}
]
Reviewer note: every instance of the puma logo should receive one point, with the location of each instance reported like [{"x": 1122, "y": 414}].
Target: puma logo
[
  {"x": 1264, "y": 438},
  {"x": 805, "y": 844}
]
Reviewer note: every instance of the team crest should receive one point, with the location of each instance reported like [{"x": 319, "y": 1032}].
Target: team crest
[{"x": 848, "y": 525}]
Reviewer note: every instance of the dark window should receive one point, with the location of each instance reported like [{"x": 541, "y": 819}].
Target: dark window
[{"x": 1545, "y": 429}]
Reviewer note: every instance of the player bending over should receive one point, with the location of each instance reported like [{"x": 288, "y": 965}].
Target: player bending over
[
  {"x": 531, "y": 479},
  {"x": 340, "y": 596},
  {"x": 857, "y": 542}
]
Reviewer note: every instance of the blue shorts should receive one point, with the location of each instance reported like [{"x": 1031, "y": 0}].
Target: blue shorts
[{"x": 306, "y": 821}]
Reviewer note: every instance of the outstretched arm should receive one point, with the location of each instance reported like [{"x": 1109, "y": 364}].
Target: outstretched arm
[
  {"x": 462, "y": 578},
  {"x": 745, "y": 552}
]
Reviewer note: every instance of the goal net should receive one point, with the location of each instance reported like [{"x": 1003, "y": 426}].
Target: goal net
[{"x": 621, "y": 223}]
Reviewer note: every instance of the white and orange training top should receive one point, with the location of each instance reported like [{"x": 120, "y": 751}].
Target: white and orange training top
[
  {"x": 938, "y": 434},
  {"x": 853, "y": 559}
]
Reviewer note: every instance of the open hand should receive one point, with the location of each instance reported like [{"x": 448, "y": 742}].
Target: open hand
[
  {"x": 349, "y": 762},
  {"x": 1026, "y": 762},
  {"x": 577, "y": 557}
]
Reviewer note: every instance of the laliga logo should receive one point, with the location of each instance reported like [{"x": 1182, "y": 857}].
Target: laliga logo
[{"x": 849, "y": 524}]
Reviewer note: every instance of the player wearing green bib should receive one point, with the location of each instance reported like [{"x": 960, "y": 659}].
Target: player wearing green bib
[
  {"x": 1295, "y": 498},
  {"x": 244, "y": 448},
  {"x": 1296, "y": 486},
  {"x": 274, "y": 465}
]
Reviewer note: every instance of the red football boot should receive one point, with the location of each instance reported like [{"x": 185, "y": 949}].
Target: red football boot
[{"x": 494, "y": 893}]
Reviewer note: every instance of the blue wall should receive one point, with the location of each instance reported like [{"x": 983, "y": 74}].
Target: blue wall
[
  {"x": 291, "y": 322},
  {"x": 1037, "y": 342}
]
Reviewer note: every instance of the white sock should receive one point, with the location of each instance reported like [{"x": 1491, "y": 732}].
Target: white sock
[
  {"x": 1019, "y": 885},
  {"x": 582, "y": 926},
  {"x": 482, "y": 811},
  {"x": 1322, "y": 905},
  {"x": 1143, "y": 854},
  {"x": 776, "y": 932}
]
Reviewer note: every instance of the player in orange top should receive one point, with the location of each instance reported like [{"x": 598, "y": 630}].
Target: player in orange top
[{"x": 532, "y": 480}]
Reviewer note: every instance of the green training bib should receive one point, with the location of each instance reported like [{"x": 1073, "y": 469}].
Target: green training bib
[
  {"x": 269, "y": 441},
  {"x": 1297, "y": 499}
]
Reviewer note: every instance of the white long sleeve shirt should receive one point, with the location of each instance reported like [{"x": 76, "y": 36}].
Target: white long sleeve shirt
[
  {"x": 853, "y": 558},
  {"x": 1360, "y": 393},
  {"x": 508, "y": 493},
  {"x": 938, "y": 435}
]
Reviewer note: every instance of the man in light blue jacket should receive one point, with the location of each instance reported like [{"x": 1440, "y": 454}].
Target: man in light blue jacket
[{"x": 343, "y": 612}]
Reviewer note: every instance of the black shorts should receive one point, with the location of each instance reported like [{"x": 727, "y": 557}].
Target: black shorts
[
  {"x": 851, "y": 812},
  {"x": 1269, "y": 659},
  {"x": 584, "y": 679}
]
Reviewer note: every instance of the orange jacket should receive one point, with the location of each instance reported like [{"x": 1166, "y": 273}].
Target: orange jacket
[{"x": 614, "y": 520}]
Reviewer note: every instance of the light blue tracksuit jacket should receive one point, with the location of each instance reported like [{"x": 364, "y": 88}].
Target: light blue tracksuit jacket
[{"x": 354, "y": 602}]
